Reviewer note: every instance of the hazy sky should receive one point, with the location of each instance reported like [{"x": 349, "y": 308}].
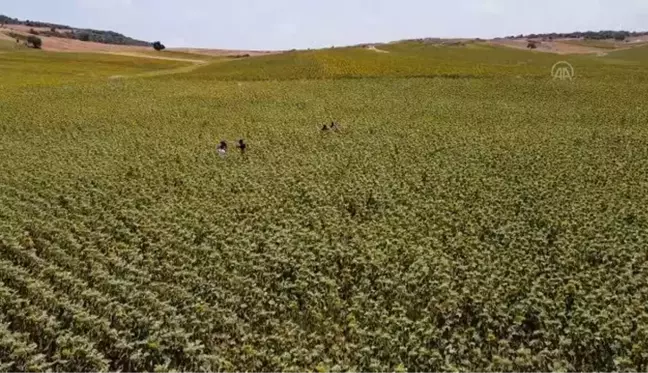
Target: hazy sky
[{"x": 286, "y": 24}]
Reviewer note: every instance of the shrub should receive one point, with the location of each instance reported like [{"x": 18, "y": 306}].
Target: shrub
[
  {"x": 532, "y": 44},
  {"x": 35, "y": 42},
  {"x": 16, "y": 35},
  {"x": 158, "y": 46},
  {"x": 84, "y": 36},
  {"x": 33, "y": 32}
]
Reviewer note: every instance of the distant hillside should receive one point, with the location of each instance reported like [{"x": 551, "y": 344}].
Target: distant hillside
[
  {"x": 594, "y": 35},
  {"x": 68, "y": 32}
]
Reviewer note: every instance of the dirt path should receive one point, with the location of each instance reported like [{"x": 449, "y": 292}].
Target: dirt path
[
  {"x": 177, "y": 70},
  {"x": 143, "y": 55},
  {"x": 222, "y": 52},
  {"x": 373, "y": 48}
]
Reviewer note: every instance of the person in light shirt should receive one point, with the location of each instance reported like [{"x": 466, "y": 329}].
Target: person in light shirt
[{"x": 222, "y": 148}]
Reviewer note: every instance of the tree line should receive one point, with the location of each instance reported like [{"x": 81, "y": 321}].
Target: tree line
[
  {"x": 64, "y": 31},
  {"x": 594, "y": 35}
]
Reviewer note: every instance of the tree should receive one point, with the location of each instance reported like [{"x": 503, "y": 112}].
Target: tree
[
  {"x": 158, "y": 46},
  {"x": 84, "y": 36},
  {"x": 35, "y": 41}
]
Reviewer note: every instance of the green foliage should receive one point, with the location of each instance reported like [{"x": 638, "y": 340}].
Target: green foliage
[
  {"x": 158, "y": 46},
  {"x": 488, "y": 223},
  {"x": 35, "y": 41},
  {"x": 106, "y": 37}
]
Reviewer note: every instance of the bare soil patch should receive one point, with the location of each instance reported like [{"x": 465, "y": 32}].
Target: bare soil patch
[
  {"x": 373, "y": 48},
  {"x": 223, "y": 52},
  {"x": 573, "y": 46},
  {"x": 71, "y": 45},
  {"x": 144, "y": 55},
  {"x": 555, "y": 46}
]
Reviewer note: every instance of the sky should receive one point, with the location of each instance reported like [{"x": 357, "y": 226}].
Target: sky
[{"x": 300, "y": 24}]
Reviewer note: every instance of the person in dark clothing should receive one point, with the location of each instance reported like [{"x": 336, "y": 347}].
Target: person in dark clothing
[
  {"x": 325, "y": 128},
  {"x": 242, "y": 145},
  {"x": 334, "y": 126},
  {"x": 222, "y": 148}
]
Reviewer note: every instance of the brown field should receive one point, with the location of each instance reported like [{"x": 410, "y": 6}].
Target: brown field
[
  {"x": 71, "y": 45},
  {"x": 555, "y": 46},
  {"x": 573, "y": 46}
]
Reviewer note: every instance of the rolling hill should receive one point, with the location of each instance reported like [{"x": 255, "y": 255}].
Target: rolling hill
[
  {"x": 67, "y": 32},
  {"x": 410, "y": 59},
  {"x": 470, "y": 213}
]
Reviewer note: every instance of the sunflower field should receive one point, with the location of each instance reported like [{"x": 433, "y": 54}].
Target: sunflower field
[{"x": 468, "y": 215}]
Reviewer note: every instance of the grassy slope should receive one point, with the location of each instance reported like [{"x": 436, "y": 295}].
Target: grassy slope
[
  {"x": 7, "y": 45},
  {"x": 446, "y": 228},
  {"x": 28, "y": 66},
  {"x": 637, "y": 56},
  {"x": 601, "y": 44},
  {"x": 411, "y": 59}
]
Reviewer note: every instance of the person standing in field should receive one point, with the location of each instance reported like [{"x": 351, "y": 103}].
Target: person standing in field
[
  {"x": 242, "y": 145},
  {"x": 222, "y": 148}
]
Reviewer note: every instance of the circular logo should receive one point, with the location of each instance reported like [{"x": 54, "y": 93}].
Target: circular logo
[{"x": 562, "y": 70}]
